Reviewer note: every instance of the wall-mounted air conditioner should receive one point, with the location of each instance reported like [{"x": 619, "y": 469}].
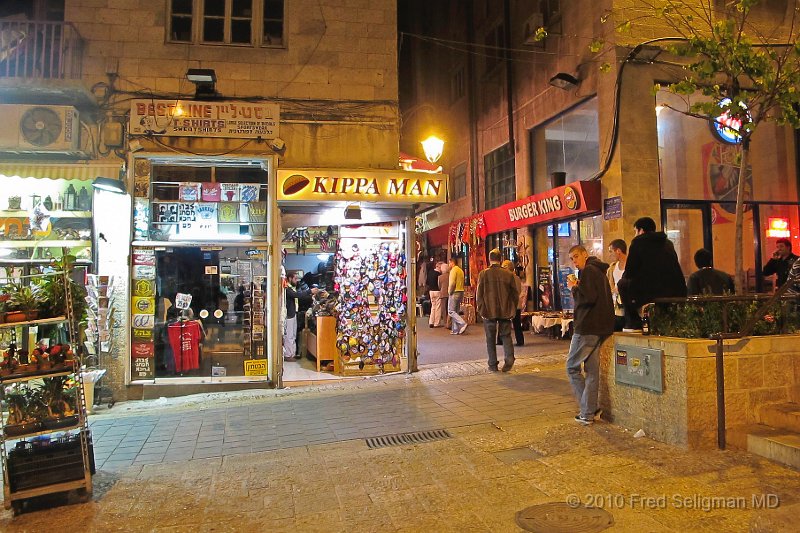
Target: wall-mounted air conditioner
[{"x": 39, "y": 128}]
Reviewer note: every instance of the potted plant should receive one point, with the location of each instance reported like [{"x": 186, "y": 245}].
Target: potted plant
[
  {"x": 59, "y": 411},
  {"x": 23, "y": 410},
  {"x": 23, "y": 302}
]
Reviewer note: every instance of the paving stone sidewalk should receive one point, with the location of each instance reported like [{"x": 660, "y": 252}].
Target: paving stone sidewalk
[{"x": 298, "y": 461}]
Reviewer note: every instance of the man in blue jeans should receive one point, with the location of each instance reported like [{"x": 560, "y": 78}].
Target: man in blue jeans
[
  {"x": 594, "y": 322},
  {"x": 496, "y": 299},
  {"x": 455, "y": 292}
]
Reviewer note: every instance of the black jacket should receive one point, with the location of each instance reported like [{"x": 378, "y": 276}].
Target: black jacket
[
  {"x": 709, "y": 281},
  {"x": 652, "y": 270},
  {"x": 293, "y": 293},
  {"x": 780, "y": 267},
  {"x": 594, "y": 308}
]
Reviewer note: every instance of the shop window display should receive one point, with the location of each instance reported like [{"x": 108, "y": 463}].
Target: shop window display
[{"x": 370, "y": 278}]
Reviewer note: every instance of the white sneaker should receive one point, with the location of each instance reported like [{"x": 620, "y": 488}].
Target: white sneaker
[{"x": 462, "y": 329}]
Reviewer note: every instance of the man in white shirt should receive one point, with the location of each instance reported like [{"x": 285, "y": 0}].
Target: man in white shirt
[{"x": 619, "y": 251}]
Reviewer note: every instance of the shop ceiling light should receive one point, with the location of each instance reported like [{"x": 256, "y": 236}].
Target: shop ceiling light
[
  {"x": 352, "y": 212},
  {"x": 564, "y": 81},
  {"x": 109, "y": 185}
]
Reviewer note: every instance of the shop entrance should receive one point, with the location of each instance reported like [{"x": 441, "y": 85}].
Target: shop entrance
[
  {"x": 355, "y": 322},
  {"x": 205, "y": 301}
]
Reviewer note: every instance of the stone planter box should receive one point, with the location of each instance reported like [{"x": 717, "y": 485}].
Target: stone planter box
[{"x": 761, "y": 371}]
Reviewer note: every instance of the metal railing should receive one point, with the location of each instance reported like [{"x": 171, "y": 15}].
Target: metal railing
[
  {"x": 787, "y": 301},
  {"x": 34, "y": 49}
]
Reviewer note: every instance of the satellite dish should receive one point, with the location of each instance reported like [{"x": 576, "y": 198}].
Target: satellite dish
[{"x": 40, "y": 126}]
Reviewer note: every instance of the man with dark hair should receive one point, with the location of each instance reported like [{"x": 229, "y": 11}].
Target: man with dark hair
[
  {"x": 781, "y": 262},
  {"x": 496, "y": 299},
  {"x": 708, "y": 280},
  {"x": 652, "y": 271},
  {"x": 293, "y": 293},
  {"x": 619, "y": 250},
  {"x": 455, "y": 292},
  {"x": 594, "y": 323}
]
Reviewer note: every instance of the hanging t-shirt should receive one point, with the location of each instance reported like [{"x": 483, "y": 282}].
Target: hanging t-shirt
[{"x": 184, "y": 338}]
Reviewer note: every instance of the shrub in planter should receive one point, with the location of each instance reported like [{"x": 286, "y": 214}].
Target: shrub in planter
[
  {"x": 699, "y": 319},
  {"x": 23, "y": 302}
]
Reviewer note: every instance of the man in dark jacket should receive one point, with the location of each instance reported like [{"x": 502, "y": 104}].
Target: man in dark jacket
[
  {"x": 651, "y": 271},
  {"x": 496, "y": 298},
  {"x": 594, "y": 322},
  {"x": 782, "y": 260},
  {"x": 708, "y": 280},
  {"x": 293, "y": 293}
]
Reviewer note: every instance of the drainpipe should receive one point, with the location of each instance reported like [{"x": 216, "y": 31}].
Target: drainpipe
[
  {"x": 473, "y": 108},
  {"x": 509, "y": 73}
]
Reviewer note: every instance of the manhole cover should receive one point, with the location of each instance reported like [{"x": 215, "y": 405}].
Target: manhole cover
[{"x": 559, "y": 517}]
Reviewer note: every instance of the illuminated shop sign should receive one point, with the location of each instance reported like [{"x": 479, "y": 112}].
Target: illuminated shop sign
[
  {"x": 725, "y": 127},
  {"x": 561, "y": 203},
  {"x": 357, "y": 185},
  {"x": 778, "y": 228},
  {"x": 189, "y": 118}
]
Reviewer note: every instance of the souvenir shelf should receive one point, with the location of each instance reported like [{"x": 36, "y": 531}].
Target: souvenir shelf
[
  {"x": 45, "y": 443},
  {"x": 371, "y": 281}
]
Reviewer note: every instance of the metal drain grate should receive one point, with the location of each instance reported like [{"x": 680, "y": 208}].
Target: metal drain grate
[{"x": 399, "y": 439}]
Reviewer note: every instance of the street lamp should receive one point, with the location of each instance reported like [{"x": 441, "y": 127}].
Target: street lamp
[{"x": 433, "y": 147}]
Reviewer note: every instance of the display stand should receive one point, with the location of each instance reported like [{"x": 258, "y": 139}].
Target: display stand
[{"x": 51, "y": 454}]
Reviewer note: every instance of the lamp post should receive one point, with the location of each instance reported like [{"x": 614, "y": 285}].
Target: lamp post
[{"x": 433, "y": 147}]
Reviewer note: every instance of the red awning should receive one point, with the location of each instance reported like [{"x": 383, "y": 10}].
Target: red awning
[
  {"x": 438, "y": 235},
  {"x": 416, "y": 164}
]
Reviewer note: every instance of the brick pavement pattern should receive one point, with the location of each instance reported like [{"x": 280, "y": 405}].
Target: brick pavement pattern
[{"x": 297, "y": 460}]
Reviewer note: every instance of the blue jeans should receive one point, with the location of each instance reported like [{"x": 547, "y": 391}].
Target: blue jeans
[
  {"x": 453, "y": 307},
  {"x": 498, "y": 329},
  {"x": 584, "y": 350}
]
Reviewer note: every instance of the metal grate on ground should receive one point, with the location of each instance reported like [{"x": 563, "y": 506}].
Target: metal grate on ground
[{"x": 401, "y": 439}]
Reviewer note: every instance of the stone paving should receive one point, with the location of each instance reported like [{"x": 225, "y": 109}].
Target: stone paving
[{"x": 297, "y": 461}]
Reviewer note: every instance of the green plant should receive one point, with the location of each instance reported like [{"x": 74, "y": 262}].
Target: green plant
[
  {"x": 23, "y": 297},
  {"x": 56, "y": 295}
]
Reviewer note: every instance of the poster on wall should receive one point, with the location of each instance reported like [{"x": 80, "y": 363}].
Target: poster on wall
[
  {"x": 141, "y": 178},
  {"x": 544, "y": 285},
  {"x": 567, "y": 302}
]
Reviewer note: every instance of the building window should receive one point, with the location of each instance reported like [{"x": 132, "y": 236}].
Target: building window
[
  {"x": 495, "y": 43},
  {"x": 235, "y": 22},
  {"x": 457, "y": 85},
  {"x": 459, "y": 182},
  {"x": 500, "y": 180},
  {"x": 571, "y": 145}
]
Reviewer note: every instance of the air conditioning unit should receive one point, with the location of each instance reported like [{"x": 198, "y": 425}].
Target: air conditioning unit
[
  {"x": 39, "y": 129},
  {"x": 532, "y": 24}
]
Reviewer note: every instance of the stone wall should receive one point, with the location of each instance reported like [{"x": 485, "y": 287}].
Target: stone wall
[{"x": 758, "y": 371}]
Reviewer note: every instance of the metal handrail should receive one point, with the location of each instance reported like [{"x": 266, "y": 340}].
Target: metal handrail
[{"x": 745, "y": 331}]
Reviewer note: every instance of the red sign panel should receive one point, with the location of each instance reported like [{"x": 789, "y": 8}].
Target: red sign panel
[
  {"x": 142, "y": 349},
  {"x": 561, "y": 203}
]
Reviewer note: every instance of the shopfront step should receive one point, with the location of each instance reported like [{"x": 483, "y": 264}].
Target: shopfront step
[
  {"x": 782, "y": 415},
  {"x": 775, "y": 444}
]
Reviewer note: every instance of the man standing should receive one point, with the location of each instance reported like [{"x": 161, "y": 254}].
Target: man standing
[
  {"x": 708, "y": 280},
  {"x": 290, "y": 326},
  {"x": 652, "y": 271},
  {"x": 455, "y": 293},
  {"x": 782, "y": 260},
  {"x": 444, "y": 282},
  {"x": 619, "y": 251},
  {"x": 434, "y": 321},
  {"x": 496, "y": 298},
  {"x": 594, "y": 322}
]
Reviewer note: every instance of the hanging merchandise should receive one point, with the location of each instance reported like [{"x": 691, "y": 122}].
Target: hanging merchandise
[{"x": 371, "y": 281}]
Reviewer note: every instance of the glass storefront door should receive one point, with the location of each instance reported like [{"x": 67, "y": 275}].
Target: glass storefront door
[
  {"x": 225, "y": 322},
  {"x": 688, "y": 226}
]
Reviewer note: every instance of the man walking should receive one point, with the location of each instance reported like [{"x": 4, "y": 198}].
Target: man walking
[
  {"x": 444, "y": 282},
  {"x": 455, "y": 293},
  {"x": 652, "y": 271},
  {"x": 594, "y": 322},
  {"x": 496, "y": 298}
]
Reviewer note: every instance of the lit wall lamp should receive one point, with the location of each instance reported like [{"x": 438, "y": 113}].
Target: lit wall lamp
[
  {"x": 564, "y": 81},
  {"x": 109, "y": 185},
  {"x": 205, "y": 80},
  {"x": 433, "y": 147}
]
